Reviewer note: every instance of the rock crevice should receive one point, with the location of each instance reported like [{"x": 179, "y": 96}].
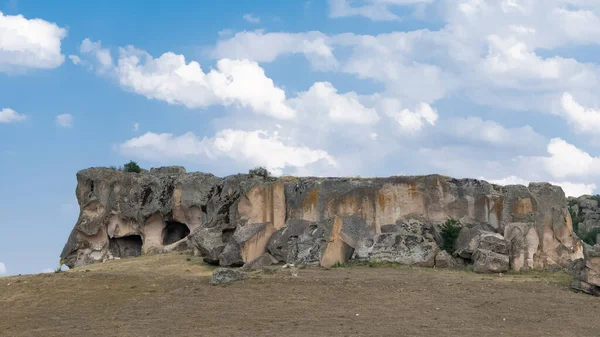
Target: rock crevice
[{"x": 243, "y": 219}]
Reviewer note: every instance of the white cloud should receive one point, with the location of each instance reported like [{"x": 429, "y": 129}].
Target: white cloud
[
  {"x": 75, "y": 59},
  {"x": 476, "y": 129},
  {"x": 576, "y": 190},
  {"x": 250, "y": 148},
  {"x": 567, "y": 160},
  {"x": 376, "y": 10},
  {"x": 511, "y": 180},
  {"x": 102, "y": 57},
  {"x": 170, "y": 78},
  {"x": 136, "y": 127},
  {"x": 260, "y": 47},
  {"x": 410, "y": 121},
  {"x": 11, "y": 116},
  {"x": 570, "y": 189},
  {"x": 64, "y": 120},
  {"x": 29, "y": 44},
  {"x": 323, "y": 98},
  {"x": 2, "y": 269},
  {"x": 251, "y": 18},
  {"x": 583, "y": 119}
]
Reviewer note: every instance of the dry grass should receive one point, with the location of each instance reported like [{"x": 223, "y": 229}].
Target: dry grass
[{"x": 169, "y": 295}]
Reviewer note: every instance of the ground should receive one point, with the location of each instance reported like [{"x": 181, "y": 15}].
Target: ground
[{"x": 169, "y": 295}]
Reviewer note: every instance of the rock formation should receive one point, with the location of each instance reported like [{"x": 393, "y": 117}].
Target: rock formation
[{"x": 235, "y": 220}]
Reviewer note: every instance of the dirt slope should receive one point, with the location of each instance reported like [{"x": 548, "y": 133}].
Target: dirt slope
[{"x": 166, "y": 295}]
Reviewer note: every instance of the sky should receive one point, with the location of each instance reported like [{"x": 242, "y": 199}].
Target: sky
[{"x": 501, "y": 90}]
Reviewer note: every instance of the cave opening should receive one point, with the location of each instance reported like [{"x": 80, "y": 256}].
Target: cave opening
[
  {"x": 173, "y": 232},
  {"x": 127, "y": 246}
]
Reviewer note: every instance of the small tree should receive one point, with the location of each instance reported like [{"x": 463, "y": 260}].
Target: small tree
[
  {"x": 259, "y": 171},
  {"x": 450, "y": 231},
  {"x": 132, "y": 167}
]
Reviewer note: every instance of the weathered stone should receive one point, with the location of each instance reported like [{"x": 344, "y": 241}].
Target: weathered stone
[
  {"x": 231, "y": 255},
  {"x": 523, "y": 243},
  {"x": 281, "y": 243},
  {"x": 471, "y": 239},
  {"x": 260, "y": 262},
  {"x": 225, "y": 276},
  {"x": 407, "y": 249},
  {"x": 444, "y": 260},
  {"x": 486, "y": 261},
  {"x": 116, "y": 204},
  {"x": 208, "y": 242}
]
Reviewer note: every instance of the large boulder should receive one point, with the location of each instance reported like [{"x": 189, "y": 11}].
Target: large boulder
[
  {"x": 587, "y": 276},
  {"x": 208, "y": 242},
  {"x": 487, "y": 261},
  {"x": 444, "y": 260},
  {"x": 260, "y": 262},
  {"x": 471, "y": 239},
  {"x": 406, "y": 249},
  {"x": 326, "y": 242},
  {"x": 225, "y": 276}
]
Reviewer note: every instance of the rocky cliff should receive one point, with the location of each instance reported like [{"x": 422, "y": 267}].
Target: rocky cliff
[
  {"x": 241, "y": 219},
  {"x": 585, "y": 212}
]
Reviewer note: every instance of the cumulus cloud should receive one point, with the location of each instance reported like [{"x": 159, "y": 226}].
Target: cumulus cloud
[
  {"x": 570, "y": 189},
  {"x": 323, "y": 99},
  {"x": 584, "y": 120},
  {"x": 475, "y": 129},
  {"x": 567, "y": 160},
  {"x": 170, "y": 78},
  {"x": 29, "y": 44},
  {"x": 11, "y": 116},
  {"x": 260, "y": 47},
  {"x": 2, "y": 269},
  {"x": 376, "y": 10},
  {"x": 64, "y": 120},
  {"x": 409, "y": 121},
  {"x": 251, "y": 148},
  {"x": 136, "y": 127},
  {"x": 251, "y": 18}
]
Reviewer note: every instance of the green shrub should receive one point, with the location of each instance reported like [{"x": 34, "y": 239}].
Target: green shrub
[
  {"x": 132, "y": 167},
  {"x": 450, "y": 230},
  {"x": 590, "y": 237},
  {"x": 259, "y": 171}
]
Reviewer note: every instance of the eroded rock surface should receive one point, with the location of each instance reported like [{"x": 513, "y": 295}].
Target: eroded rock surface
[
  {"x": 225, "y": 276},
  {"x": 587, "y": 274},
  {"x": 238, "y": 219}
]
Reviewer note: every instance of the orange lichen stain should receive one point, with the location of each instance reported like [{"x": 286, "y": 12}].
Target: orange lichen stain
[
  {"x": 523, "y": 206},
  {"x": 497, "y": 209},
  {"x": 347, "y": 206},
  {"x": 311, "y": 200},
  {"x": 412, "y": 190},
  {"x": 381, "y": 201}
]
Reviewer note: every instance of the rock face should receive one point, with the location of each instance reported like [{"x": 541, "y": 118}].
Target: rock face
[
  {"x": 587, "y": 273},
  {"x": 235, "y": 220},
  {"x": 585, "y": 212}
]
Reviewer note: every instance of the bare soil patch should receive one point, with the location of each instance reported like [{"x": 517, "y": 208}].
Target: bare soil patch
[{"x": 167, "y": 295}]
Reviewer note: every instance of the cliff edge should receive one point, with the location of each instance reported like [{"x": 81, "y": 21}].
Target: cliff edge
[{"x": 244, "y": 219}]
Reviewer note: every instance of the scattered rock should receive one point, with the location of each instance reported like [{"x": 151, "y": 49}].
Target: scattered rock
[
  {"x": 260, "y": 262},
  {"x": 226, "y": 275},
  {"x": 486, "y": 261},
  {"x": 407, "y": 249},
  {"x": 445, "y": 260}
]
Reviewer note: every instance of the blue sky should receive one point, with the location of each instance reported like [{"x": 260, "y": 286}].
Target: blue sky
[{"x": 501, "y": 90}]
